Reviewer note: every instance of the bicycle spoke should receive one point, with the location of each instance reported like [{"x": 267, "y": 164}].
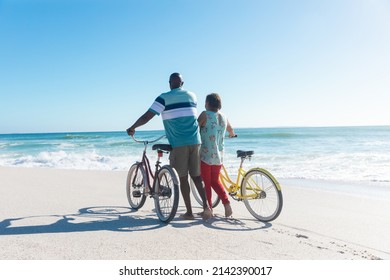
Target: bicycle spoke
[
  {"x": 135, "y": 186},
  {"x": 167, "y": 194}
]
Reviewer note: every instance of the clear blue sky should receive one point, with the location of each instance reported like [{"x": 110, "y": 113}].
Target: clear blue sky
[{"x": 83, "y": 65}]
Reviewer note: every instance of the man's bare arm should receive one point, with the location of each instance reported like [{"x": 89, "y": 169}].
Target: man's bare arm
[{"x": 145, "y": 118}]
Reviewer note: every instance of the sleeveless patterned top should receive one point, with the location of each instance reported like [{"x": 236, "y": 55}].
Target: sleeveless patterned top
[{"x": 212, "y": 135}]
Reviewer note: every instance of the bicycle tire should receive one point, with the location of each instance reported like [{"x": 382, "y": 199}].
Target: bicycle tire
[
  {"x": 215, "y": 198},
  {"x": 166, "y": 193},
  {"x": 135, "y": 186},
  {"x": 268, "y": 203}
]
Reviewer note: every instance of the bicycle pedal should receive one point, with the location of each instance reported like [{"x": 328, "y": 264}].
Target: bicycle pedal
[{"x": 136, "y": 193}]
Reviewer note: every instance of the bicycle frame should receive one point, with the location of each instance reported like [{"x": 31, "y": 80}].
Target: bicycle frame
[
  {"x": 234, "y": 188},
  {"x": 256, "y": 188},
  {"x": 162, "y": 185},
  {"x": 230, "y": 186},
  {"x": 146, "y": 163}
]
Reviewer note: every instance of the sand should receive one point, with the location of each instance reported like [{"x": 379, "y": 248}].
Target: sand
[{"x": 52, "y": 214}]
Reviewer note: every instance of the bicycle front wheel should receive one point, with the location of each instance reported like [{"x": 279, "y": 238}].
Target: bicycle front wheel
[
  {"x": 166, "y": 193},
  {"x": 262, "y": 195},
  {"x": 135, "y": 186},
  {"x": 214, "y": 197}
]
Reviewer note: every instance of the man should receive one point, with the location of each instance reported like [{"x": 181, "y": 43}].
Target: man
[{"x": 178, "y": 111}]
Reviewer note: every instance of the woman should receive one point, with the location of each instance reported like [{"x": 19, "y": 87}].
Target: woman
[{"x": 213, "y": 126}]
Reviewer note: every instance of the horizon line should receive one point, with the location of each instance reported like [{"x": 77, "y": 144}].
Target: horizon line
[{"x": 252, "y": 127}]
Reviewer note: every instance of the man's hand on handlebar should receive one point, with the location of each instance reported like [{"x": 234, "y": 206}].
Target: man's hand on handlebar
[{"x": 130, "y": 131}]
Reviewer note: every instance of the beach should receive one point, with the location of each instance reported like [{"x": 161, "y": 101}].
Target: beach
[{"x": 61, "y": 214}]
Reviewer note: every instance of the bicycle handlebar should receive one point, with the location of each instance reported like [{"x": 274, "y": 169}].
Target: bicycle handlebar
[
  {"x": 234, "y": 136},
  {"x": 147, "y": 141}
]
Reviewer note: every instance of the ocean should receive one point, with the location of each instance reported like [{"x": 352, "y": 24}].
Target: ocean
[{"x": 348, "y": 154}]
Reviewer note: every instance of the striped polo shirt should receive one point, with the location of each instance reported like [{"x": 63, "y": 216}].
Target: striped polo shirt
[{"x": 178, "y": 111}]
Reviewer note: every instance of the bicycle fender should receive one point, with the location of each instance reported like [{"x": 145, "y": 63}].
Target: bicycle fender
[{"x": 268, "y": 174}]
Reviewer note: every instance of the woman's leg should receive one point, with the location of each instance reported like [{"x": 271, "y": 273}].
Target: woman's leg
[
  {"x": 205, "y": 171},
  {"x": 217, "y": 185},
  {"x": 219, "y": 189}
]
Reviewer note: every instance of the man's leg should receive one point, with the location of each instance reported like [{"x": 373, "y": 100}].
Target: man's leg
[
  {"x": 179, "y": 160},
  {"x": 207, "y": 212},
  {"x": 185, "y": 192},
  {"x": 199, "y": 186},
  {"x": 194, "y": 170}
]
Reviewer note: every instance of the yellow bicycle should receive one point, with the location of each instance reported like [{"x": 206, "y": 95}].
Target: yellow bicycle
[{"x": 257, "y": 188}]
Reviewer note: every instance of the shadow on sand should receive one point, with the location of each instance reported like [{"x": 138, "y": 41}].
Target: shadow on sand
[
  {"x": 110, "y": 218},
  {"x": 113, "y": 218}
]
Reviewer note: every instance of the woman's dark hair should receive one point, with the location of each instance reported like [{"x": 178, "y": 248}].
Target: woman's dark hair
[{"x": 214, "y": 101}]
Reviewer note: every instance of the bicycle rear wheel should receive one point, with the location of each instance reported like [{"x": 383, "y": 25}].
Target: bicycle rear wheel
[
  {"x": 135, "y": 186},
  {"x": 262, "y": 195},
  {"x": 166, "y": 193},
  {"x": 214, "y": 197}
]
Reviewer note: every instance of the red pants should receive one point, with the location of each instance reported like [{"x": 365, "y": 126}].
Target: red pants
[{"x": 210, "y": 177}]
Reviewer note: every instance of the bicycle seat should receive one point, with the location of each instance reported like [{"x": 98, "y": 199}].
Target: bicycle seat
[
  {"x": 244, "y": 153},
  {"x": 163, "y": 147}
]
